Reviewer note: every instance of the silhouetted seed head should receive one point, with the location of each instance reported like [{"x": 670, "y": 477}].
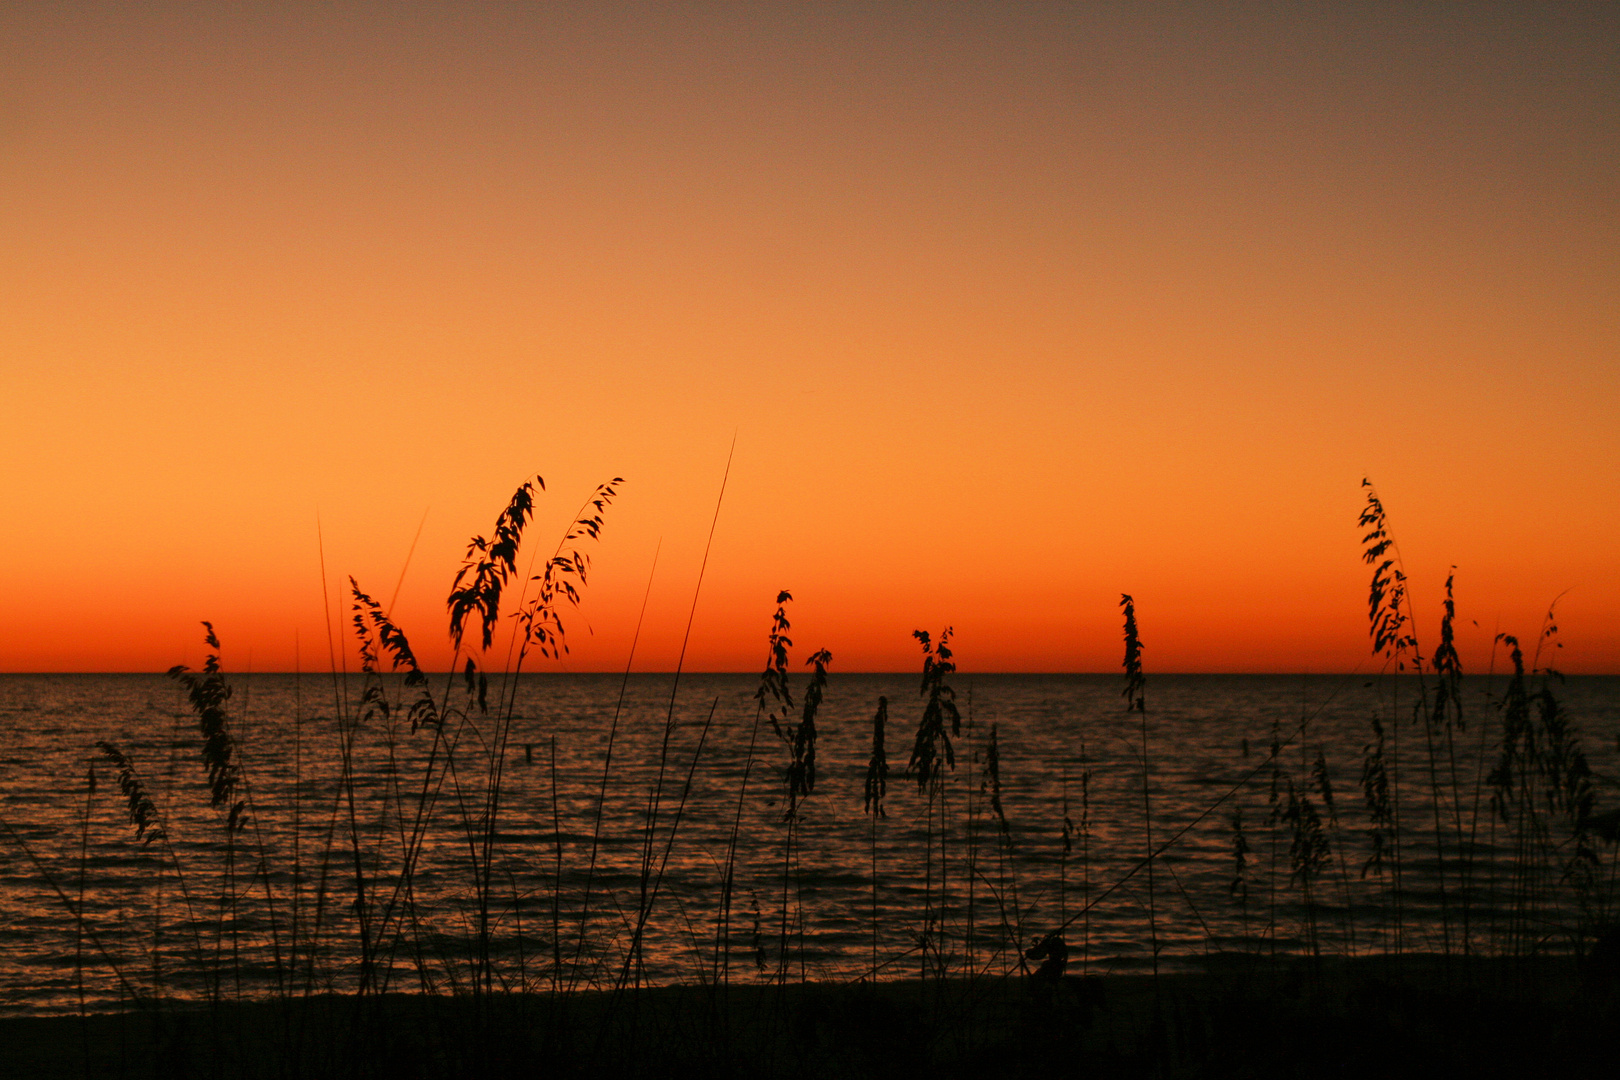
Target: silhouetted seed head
[
  {"x": 1447, "y": 708},
  {"x": 373, "y": 702},
  {"x": 370, "y": 618},
  {"x": 142, "y": 812},
  {"x": 800, "y": 738},
  {"x": 1541, "y": 766},
  {"x": 208, "y": 693},
  {"x": 773, "y": 695},
  {"x": 1068, "y": 825},
  {"x": 1085, "y": 792},
  {"x": 1240, "y": 857},
  {"x": 1134, "y": 681},
  {"x": 1517, "y": 746},
  {"x": 562, "y": 578},
  {"x": 933, "y": 742},
  {"x": 1375, "y": 794},
  {"x": 991, "y": 785},
  {"x": 1387, "y": 593},
  {"x": 877, "y": 766},
  {"x": 804, "y": 739},
  {"x": 1567, "y": 781},
  {"x": 488, "y": 564},
  {"x": 1308, "y": 849},
  {"x": 1324, "y": 784}
]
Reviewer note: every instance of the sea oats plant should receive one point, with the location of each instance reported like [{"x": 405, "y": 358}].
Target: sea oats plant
[
  {"x": 931, "y": 753},
  {"x": 1135, "y": 701},
  {"x": 1541, "y": 788},
  {"x": 1308, "y": 854},
  {"x": 1005, "y": 889},
  {"x": 875, "y": 789},
  {"x": 1394, "y": 641},
  {"x": 772, "y": 699},
  {"x": 799, "y": 779}
]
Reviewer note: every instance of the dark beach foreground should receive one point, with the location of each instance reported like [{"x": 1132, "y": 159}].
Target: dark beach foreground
[{"x": 1241, "y": 1016}]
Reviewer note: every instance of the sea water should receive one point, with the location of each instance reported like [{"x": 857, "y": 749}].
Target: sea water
[{"x": 598, "y": 871}]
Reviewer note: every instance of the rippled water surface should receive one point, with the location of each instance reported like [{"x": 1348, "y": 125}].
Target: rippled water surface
[{"x": 281, "y": 904}]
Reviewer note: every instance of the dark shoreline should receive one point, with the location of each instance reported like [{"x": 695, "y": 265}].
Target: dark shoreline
[{"x": 1242, "y": 1016}]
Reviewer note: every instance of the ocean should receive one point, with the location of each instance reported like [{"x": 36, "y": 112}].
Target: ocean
[{"x": 1050, "y": 833}]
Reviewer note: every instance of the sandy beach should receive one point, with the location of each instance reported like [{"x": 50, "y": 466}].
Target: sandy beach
[{"x": 1242, "y": 1016}]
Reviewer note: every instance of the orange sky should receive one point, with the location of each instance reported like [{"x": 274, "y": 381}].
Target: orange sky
[{"x": 1010, "y": 311}]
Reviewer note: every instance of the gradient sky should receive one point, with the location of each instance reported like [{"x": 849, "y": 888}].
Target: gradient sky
[{"x": 1011, "y": 309}]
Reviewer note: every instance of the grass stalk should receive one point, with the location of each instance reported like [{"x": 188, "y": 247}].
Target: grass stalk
[
  {"x": 607, "y": 769},
  {"x": 1136, "y": 702},
  {"x": 648, "y": 886},
  {"x": 771, "y": 693}
]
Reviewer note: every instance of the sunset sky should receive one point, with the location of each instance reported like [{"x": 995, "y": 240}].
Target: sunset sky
[{"x": 1009, "y": 308}]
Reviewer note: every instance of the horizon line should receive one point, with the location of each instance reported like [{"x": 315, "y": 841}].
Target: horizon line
[{"x": 317, "y": 672}]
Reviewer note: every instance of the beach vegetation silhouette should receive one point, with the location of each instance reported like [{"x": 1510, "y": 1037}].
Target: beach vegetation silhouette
[{"x": 326, "y": 958}]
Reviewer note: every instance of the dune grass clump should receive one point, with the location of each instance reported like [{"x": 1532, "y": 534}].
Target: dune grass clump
[
  {"x": 798, "y": 774},
  {"x": 1541, "y": 790}
]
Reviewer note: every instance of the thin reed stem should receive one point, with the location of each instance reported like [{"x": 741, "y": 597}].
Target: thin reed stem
[
  {"x": 648, "y": 888},
  {"x": 607, "y": 768}
]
